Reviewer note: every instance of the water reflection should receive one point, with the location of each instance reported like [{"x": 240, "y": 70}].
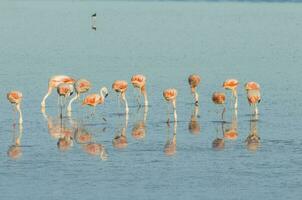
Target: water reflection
[
  {"x": 88, "y": 143},
  {"x": 253, "y": 140},
  {"x": 194, "y": 126},
  {"x": 139, "y": 129},
  {"x": 120, "y": 139},
  {"x": 15, "y": 151},
  {"x": 231, "y": 133},
  {"x": 67, "y": 130},
  {"x": 218, "y": 143},
  {"x": 170, "y": 146}
]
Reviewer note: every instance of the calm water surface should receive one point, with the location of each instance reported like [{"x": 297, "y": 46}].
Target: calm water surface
[{"x": 166, "y": 41}]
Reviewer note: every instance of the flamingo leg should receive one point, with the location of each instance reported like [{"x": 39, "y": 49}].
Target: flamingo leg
[
  {"x": 145, "y": 98},
  {"x": 61, "y": 108},
  {"x": 235, "y": 95},
  {"x": 20, "y": 113},
  {"x": 223, "y": 111},
  {"x": 138, "y": 98},
  {"x": 126, "y": 103},
  {"x": 174, "y": 110},
  {"x": 196, "y": 97},
  {"x": 168, "y": 114}
]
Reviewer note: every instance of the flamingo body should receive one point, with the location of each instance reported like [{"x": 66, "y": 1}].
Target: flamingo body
[
  {"x": 230, "y": 84},
  {"x": 170, "y": 94},
  {"x": 218, "y": 97},
  {"x": 252, "y": 86}
]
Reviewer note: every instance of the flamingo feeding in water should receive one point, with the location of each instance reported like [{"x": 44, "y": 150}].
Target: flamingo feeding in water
[
  {"x": 80, "y": 86},
  {"x": 170, "y": 96},
  {"x": 64, "y": 90},
  {"x": 121, "y": 86},
  {"x": 53, "y": 82},
  {"x": 194, "y": 81},
  {"x": 253, "y": 95},
  {"x": 139, "y": 81},
  {"x": 96, "y": 99},
  {"x": 231, "y": 84},
  {"x": 219, "y": 99},
  {"x": 15, "y": 98}
]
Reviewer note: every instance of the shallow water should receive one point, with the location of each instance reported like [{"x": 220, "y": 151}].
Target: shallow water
[{"x": 166, "y": 41}]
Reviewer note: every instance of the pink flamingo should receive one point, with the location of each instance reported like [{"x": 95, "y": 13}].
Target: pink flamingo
[
  {"x": 121, "y": 86},
  {"x": 232, "y": 84},
  {"x": 96, "y": 99},
  {"x": 81, "y": 86},
  {"x": 139, "y": 81},
  {"x": 253, "y": 95},
  {"x": 170, "y": 96},
  {"x": 194, "y": 81},
  {"x": 15, "y": 98},
  {"x": 53, "y": 83},
  {"x": 64, "y": 90},
  {"x": 219, "y": 99}
]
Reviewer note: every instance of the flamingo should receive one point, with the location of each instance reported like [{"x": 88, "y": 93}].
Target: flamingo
[
  {"x": 53, "y": 82},
  {"x": 232, "y": 84},
  {"x": 194, "y": 81},
  {"x": 64, "y": 90},
  {"x": 219, "y": 98},
  {"x": 96, "y": 99},
  {"x": 15, "y": 98},
  {"x": 139, "y": 81},
  {"x": 170, "y": 96},
  {"x": 253, "y": 95},
  {"x": 80, "y": 86},
  {"x": 121, "y": 86}
]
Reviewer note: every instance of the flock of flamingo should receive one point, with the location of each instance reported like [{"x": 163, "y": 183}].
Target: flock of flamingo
[{"x": 66, "y": 86}]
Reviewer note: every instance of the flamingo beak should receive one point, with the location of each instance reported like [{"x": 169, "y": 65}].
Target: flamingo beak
[{"x": 106, "y": 95}]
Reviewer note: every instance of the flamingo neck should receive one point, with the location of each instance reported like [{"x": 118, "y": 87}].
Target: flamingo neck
[
  {"x": 103, "y": 92},
  {"x": 43, "y": 103},
  {"x": 174, "y": 110},
  {"x": 123, "y": 96},
  {"x": 71, "y": 101}
]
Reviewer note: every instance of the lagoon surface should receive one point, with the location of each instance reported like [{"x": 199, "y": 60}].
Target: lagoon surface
[{"x": 166, "y": 41}]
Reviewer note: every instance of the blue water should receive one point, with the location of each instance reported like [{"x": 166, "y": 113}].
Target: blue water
[{"x": 166, "y": 41}]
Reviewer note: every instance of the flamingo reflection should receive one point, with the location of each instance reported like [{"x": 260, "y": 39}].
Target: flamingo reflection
[
  {"x": 139, "y": 129},
  {"x": 218, "y": 143},
  {"x": 15, "y": 151},
  {"x": 194, "y": 126},
  {"x": 59, "y": 129},
  {"x": 120, "y": 139},
  {"x": 232, "y": 132},
  {"x": 253, "y": 140},
  {"x": 170, "y": 146}
]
